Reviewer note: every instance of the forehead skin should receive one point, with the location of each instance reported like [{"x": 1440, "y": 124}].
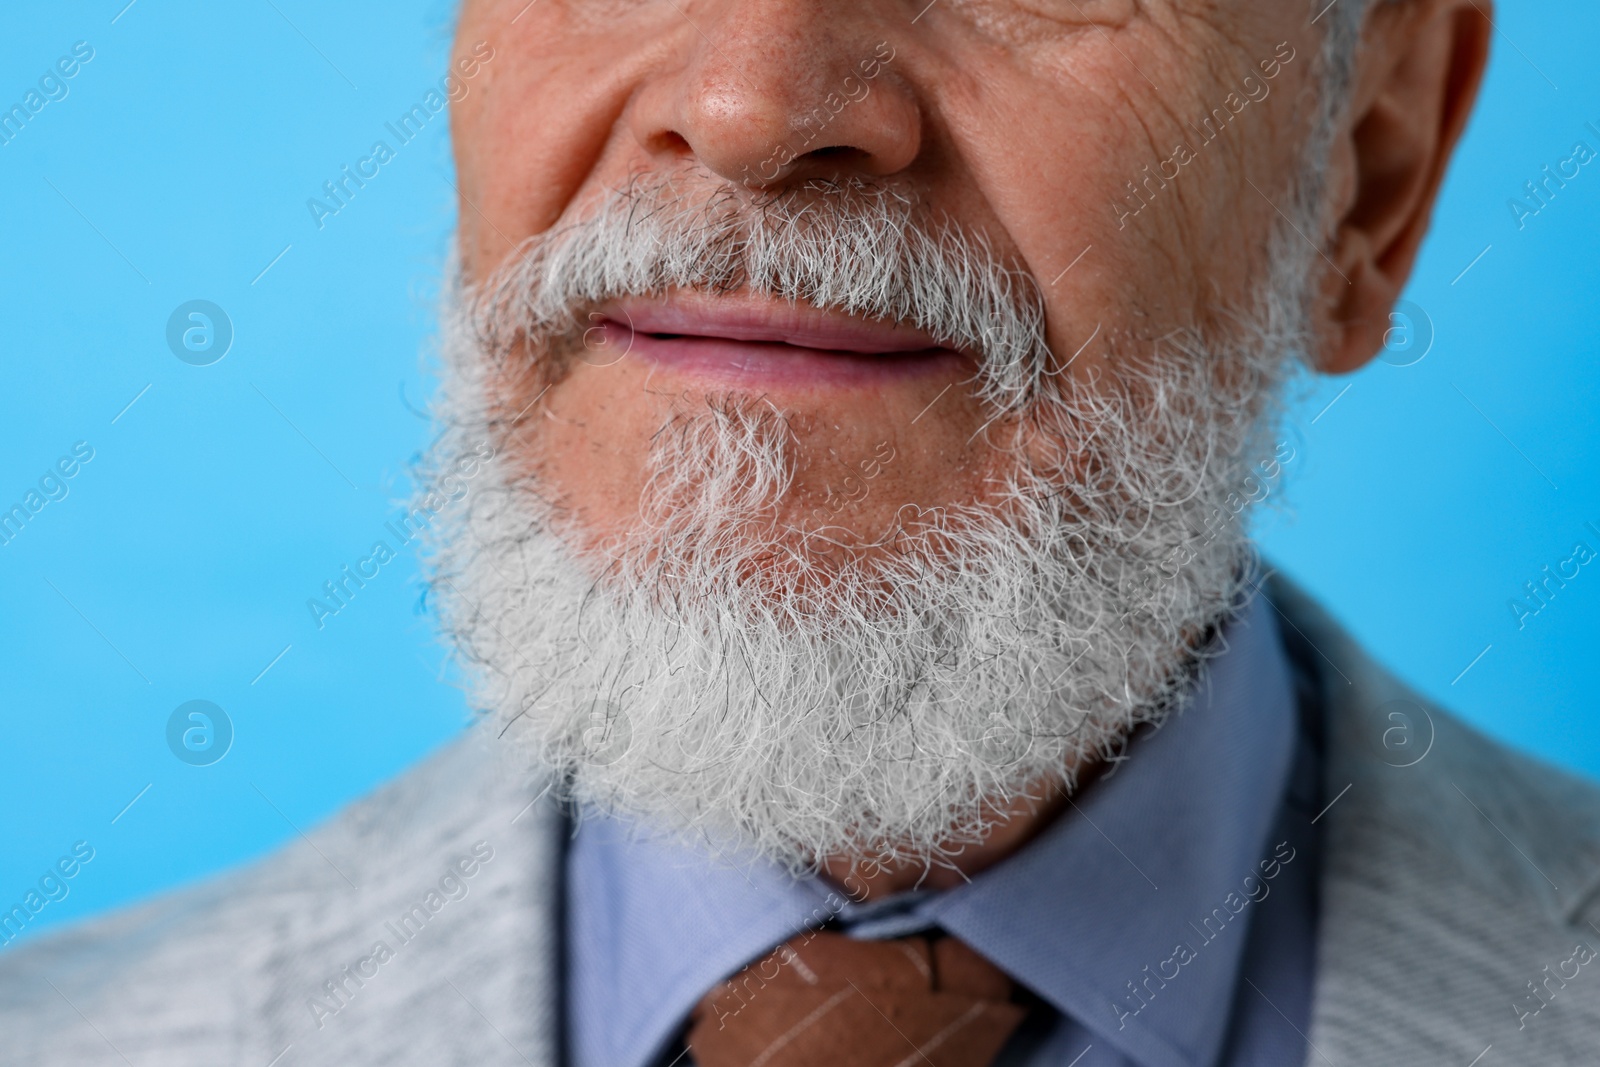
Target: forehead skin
[{"x": 1024, "y": 119}]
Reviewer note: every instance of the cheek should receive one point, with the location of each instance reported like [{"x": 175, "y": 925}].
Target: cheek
[
  {"x": 1121, "y": 238},
  {"x": 1050, "y": 175},
  {"x": 537, "y": 122},
  {"x": 586, "y": 443}
]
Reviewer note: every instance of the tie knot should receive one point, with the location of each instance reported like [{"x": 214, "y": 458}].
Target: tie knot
[{"x": 824, "y": 998}]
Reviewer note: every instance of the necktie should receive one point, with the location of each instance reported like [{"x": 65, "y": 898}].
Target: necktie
[{"x": 826, "y": 1000}]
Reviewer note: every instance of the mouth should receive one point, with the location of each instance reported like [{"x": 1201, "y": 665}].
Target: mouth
[{"x": 741, "y": 341}]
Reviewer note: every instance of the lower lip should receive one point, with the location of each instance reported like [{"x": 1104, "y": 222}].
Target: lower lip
[{"x": 748, "y": 364}]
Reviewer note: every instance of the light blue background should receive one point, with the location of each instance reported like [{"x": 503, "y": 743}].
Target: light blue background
[{"x": 179, "y": 565}]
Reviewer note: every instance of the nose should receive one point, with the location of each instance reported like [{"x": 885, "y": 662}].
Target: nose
[{"x": 778, "y": 91}]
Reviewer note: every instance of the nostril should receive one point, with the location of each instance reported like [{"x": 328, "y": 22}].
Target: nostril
[
  {"x": 829, "y": 161},
  {"x": 671, "y": 141}
]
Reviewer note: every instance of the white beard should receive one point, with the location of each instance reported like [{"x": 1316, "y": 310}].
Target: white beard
[{"x": 867, "y": 704}]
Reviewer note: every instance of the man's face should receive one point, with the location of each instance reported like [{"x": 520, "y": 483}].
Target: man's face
[
  {"x": 875, "y": 391},
  {"x": 1126, "y": 156}
]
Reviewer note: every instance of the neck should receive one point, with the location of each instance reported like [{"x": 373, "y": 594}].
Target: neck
[{"x": 1011, "y": 826}]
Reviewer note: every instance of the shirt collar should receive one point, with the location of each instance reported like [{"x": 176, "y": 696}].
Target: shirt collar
[
  {"x": 653, "y": 923},
  {"x": 1153, "y": 865},
  {"x": 1093, "y": 915}
]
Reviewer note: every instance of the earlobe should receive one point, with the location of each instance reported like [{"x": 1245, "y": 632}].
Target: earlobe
[
  {"x": 1360, "y": 301},
  {"x": 1414, "y": 85}
]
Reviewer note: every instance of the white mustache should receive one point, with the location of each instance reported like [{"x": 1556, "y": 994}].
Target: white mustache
[{"x": 840, "y": 246}]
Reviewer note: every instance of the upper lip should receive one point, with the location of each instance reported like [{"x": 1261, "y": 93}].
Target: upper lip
[{"x": 743, "y": 316}]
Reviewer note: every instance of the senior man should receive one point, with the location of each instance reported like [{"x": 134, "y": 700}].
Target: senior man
[{"x": 873, "y": 664}]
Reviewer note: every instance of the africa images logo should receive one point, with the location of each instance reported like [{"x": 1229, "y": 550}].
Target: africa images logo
[
  {"x": 452, "y": 88},
  {"x": 199, "y": 733}
]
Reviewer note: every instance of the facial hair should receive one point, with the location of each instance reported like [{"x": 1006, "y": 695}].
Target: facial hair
[{"x": 727, "y": 673}]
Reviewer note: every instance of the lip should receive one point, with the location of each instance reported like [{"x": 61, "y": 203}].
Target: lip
[{"x": 744, "y": 341}]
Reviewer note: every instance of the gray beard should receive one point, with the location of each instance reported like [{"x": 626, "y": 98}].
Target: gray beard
[{"x": 882, "y": 703}]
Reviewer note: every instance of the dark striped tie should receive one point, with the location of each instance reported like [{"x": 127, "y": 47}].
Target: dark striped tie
[{"x": 826, "y": 1000}]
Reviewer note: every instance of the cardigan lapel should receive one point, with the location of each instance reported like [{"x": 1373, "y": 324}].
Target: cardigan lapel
[{"x": 1455, "y": 872}]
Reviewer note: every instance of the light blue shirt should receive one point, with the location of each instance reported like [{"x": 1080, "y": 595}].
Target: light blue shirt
[{"x": 1166, "y": 919}]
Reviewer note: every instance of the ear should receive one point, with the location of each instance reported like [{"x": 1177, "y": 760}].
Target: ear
[{"x": 1415, "y": 78}]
